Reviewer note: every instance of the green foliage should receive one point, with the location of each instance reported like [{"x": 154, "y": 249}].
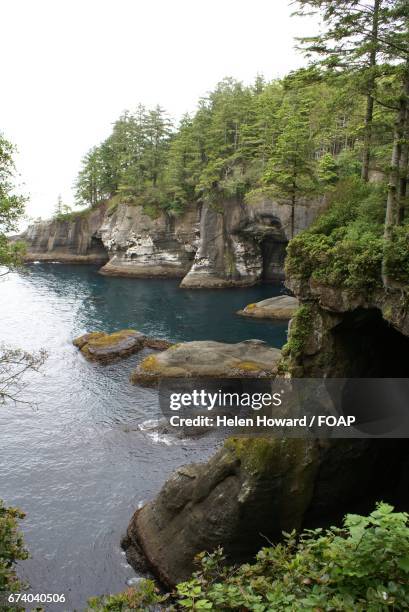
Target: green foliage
[
  {"x": 290, "y": 138},
  {"x": 300, "y": 330},
  {"x": 291, "y": 168},
  {"x": 129, "y": 161},
  {"x": 11, "y": 548},
  {"x": 361, "y": 567},
  {"x": 328, "y": 169},
  {"x": 146, "y": 597},
  {"x": 11, "y": 207},
  {"x": 71, "y": 215},
  {"x": 345, "y": 246},
  {"x": 396, "y": 254}
]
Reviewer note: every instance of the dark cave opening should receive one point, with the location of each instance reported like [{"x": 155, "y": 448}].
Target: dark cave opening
[
  {"x": 97, "y": 248},
  {"x": 273, "y": 256},
  {"x": 367, "y": 346}
]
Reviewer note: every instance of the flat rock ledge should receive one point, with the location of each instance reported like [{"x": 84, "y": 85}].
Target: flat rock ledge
[
  {"x": 281, "y": 307},
  {"x": 209, "y": 359},
  {"x": 102, "y": 347}
]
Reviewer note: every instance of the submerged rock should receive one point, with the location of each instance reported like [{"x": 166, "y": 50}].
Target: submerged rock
[
  {"x": 99, "y": 346},
  {"x": 251, "y": 358},
  {"x": 280, "y": 307}
]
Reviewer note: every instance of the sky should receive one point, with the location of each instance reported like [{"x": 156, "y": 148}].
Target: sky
[{"x": 70, "y": 67}]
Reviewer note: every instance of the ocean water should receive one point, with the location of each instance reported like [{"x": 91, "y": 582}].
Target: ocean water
[{"x": 76, "y": 460}]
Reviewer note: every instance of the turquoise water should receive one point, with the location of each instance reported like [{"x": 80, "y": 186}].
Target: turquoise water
[{"x": 76, "y": 461}]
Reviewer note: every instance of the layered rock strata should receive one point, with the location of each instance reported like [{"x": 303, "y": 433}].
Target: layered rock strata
[{"x": 234, "y": 244}]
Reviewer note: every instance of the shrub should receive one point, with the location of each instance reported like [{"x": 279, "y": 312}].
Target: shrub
[
  {"x": 361, "y": 567},
  {"x": 345, "y": 246},
  {"x": 11, "y": 548},
  {"x": 147, "y": 597}
]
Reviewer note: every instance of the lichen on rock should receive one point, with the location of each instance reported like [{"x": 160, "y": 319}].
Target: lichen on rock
[
  {"x": 103, "y": 347},
  {"x": 209, "y": 359}
]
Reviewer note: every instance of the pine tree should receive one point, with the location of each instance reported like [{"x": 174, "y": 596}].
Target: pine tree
[
  {"x": 350, "y": 43},
  {"x": 292, "y": 167}
]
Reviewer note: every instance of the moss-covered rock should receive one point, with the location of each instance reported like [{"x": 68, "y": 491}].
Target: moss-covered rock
[
  {"x": 208, "y": 359},
  {"x": 223, "y": 502},
  {"x": 102, "y": 347}
]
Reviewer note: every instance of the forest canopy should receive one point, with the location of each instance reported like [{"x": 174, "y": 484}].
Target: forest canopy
[{"x": 242, "y": 140}]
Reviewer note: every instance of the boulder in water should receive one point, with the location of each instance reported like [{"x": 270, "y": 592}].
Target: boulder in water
[
  {"x": 99, "y": 346},
  {"x": 280, "y": 307},
  {"x": 209, "y": 359}
]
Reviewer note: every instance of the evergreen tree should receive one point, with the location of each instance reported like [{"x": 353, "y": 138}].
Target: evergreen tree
[
  {"x": 11, "y": 207},
  {"x": 350, "y": 42},
  {"x": 292, "y": 167}
]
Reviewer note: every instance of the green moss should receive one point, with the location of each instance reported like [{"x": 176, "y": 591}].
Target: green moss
[
  {"x": 103, "y": 340},
  {"x": 149, "y": 364},
  {"x": 256, "y": 454},
  {"x": 300, "y": 330}
]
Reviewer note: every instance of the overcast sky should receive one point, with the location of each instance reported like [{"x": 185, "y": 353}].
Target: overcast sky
[{"x": 70, "y": 67}]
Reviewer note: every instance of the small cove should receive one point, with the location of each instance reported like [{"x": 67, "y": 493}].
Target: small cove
[{"x": 76, "y": 462}]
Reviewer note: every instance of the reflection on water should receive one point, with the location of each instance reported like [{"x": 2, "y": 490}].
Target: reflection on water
[{"x": 76, "y": 462}]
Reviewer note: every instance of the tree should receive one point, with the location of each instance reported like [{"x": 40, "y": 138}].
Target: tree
[
  {"x": 350, "y": 43},
  {"x": 89, "y": 182},
  {"x": 291, "y": 168},
  {"x": 396, "y": 45},
  {"x": 11, "y": 208}
]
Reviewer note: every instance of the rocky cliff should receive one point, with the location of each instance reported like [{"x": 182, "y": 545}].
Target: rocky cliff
[
  {"x": 207, "y": 246},
  {"x": 254, "y": 488},
  {"x": 71, "y": 240}
]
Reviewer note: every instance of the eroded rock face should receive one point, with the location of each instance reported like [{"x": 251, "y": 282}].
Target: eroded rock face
[
  {"x": 241, "y": 244},
  {"x": 352, "y": 333},
  {"x": 236, "y": 244},
  {"x": 71, "y": 241},
  {"x": 255, "y": 486},
  {"x": 142, "y": 246},
  {"x": 102, "y": 347},
  {"x": 280, "y": 307},
  {"x": 222, "y": 502},
  {"x": 251, "y": 358},
  {"x": 247, "y": 494}
]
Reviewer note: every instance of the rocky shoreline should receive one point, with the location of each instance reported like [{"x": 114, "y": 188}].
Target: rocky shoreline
[
  {"x": 254, "y": 488},
  {"x": 234, "y": 245}
]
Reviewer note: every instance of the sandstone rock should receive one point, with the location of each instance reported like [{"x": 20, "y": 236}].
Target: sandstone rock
[
  {"x": 236, "y": 245},
  {"x": 255, "y": 486},
  {"x": 74, "y": 240},
  {"x": 280, "y": 307},
  {"x": 141, "y": 246},
  {"x": 241, "y": 244},
  {"x": 251, "y": 358}
]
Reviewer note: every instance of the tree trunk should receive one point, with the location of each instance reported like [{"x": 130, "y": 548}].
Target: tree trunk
[
  {"x": 403, "y": 171},
  {"x": 292, "y": 214},
  {"x": 393, "y": 200},
  {"x": 366, "y": 158}
]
